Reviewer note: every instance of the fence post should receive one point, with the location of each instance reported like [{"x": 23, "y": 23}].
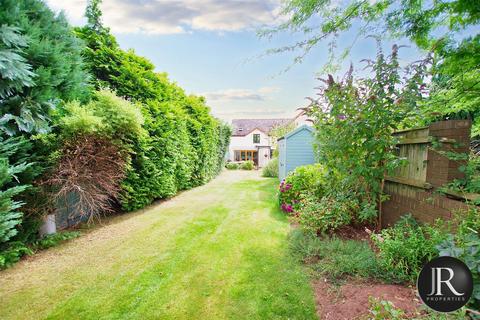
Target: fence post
[{"x": 454, "y": 136}]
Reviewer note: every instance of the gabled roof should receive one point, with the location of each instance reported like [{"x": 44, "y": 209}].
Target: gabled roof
[
  {"x": 294, "y": 132},
  {"x": 242, "y": 127}
]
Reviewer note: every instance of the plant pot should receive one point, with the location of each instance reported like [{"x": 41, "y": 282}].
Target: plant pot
[{"x": 48, "y": 225}]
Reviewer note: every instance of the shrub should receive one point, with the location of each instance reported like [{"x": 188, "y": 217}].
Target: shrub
[
  {"x": 81, "y": 120},
  {"x": 10, "y": 218},
  {"x": 271, "y": 169},
  {"x": 13, "y": 169},
  {"x": 55, "y": 239},
  {"x": 328, "y": 213},
  {"x": 232, "y": 166},
  {"x": 299, "y": 184},
  {"x": 91, "y": 168},
  {"x": 406, "y": 247},
  {"x": 106, "y": 119},
  {"x": 13, "y": 253},
  {"x": 107, "y": 115},
  {"x": 384, "y": 309},
  {"x": 334, "y": 258},
  {"x": 50, "y": 56},
  {"x": 354, "y": 120},
  {"x": 465, "y": 245},
  {"x": 247, "y": 165}
]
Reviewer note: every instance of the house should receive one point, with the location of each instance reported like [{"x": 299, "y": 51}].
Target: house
[
  {"x": 295, "y": 149},
  {"x": 251, "y": 140}
]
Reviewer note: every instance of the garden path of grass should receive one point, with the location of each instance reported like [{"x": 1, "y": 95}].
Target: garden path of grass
[{"x": 219, "y": 251}]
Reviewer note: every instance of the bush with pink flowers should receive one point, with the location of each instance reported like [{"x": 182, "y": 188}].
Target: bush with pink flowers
[{"x": 305, "y": 181}]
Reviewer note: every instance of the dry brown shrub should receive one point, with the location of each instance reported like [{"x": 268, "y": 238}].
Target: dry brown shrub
[{"x": 91, "y": 168}]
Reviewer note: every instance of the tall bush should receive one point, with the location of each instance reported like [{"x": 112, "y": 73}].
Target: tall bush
[
  {"x": 10, "y": 217},
  {"x": 40, "y": 68},
  {"x": 354, "y": 121},
  {"x": 42, "y": 65},
  {"x": 184, "y": 146},
  {"x": 99, "y": 139},
  {"x": 163, "y": 162},
  {"x": 12, "y": 166},
  {"x": 271, "y": 169},
  {"x": 88, "y": 175}
]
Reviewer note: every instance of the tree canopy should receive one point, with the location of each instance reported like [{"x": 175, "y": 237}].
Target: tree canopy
[{"x": 427, "y": 23}]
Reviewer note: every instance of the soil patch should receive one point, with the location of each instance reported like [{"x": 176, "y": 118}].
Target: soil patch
[
  {"x": 350, "y": 301},
  {"x": 354, "y": 232}
]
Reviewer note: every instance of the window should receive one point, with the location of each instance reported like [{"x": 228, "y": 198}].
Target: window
[
  {"x": 244, "y": 155},
  {"x": 256, "y": 138}
]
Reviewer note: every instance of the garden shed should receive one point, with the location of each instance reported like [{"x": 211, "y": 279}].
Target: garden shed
[{"x": 295, "y": 149}]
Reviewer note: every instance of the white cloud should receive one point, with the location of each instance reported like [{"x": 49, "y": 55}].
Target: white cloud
[
  {"x": 241, "y": 94},
  {"x": 269, "y": 90},
  {"x": 74, "y": 9},
  {"x": 251, "y": 113},
  {"x": 175, "y": 16},
  {"x": 234, "y": 94}
]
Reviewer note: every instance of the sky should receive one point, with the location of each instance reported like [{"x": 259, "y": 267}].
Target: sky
[{"x": 211, "y": 48}]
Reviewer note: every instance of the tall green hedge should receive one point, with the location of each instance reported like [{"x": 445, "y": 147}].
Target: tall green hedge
[
  {"x": 51, "y": 91},
  {"x": 41, "y": 66},
  {"x": 184, "y": 145},
  {"x": 51, "y": 53}
]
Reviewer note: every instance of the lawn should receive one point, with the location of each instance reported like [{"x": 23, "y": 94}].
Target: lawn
[{"x": 219, "y": 251}]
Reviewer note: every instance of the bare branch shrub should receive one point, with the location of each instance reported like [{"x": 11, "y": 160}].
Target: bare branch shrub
[{"x": 91, "y": 169}]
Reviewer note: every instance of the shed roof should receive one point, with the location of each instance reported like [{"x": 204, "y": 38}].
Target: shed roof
[
  {"x": 242, "y": 127},
  {"x": 294, "y": 132}
]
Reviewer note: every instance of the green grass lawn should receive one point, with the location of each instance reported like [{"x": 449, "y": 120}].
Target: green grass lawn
[{"x": 216, "y": 252}]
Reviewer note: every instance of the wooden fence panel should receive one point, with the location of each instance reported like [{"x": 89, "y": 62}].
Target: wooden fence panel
[{"x": 411, "y": 187}]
